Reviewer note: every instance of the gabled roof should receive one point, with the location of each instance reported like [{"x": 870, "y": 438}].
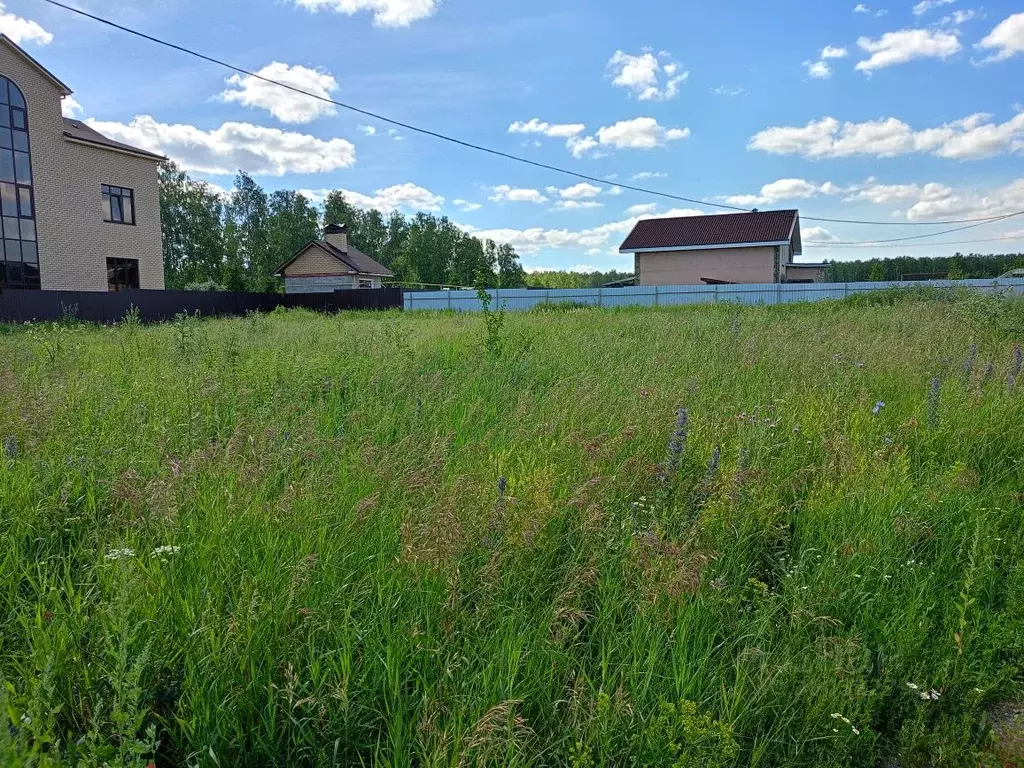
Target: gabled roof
[
  {"x": 357, "y": 262},
  {"x": 720, "y": 231},
  {"x": 76, "y": 130},
  {"x": 64, "y": 90}
]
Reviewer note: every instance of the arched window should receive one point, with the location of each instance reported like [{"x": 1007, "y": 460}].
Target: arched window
[{"x": 19, "y": 254}]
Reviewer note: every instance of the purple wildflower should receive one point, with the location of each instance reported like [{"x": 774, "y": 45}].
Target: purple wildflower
[
  {"x": 990, "y": 371},
  {"x": 716, "y": 457},
  {"x": 972, "y": 355},
  {"x": 878, "y": 408},
  {"x": 1011, "y": 381},
  {"x": 677, "y": 443},
  {"x": 934, "y": 399},
  {"x": 10, "y": 447},
  {"x": 1018, "y": 360},
  {"x": 502, "y": 485}
]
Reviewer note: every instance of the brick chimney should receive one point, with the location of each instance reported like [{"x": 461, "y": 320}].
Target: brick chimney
[{"x": 337, "y": 235}]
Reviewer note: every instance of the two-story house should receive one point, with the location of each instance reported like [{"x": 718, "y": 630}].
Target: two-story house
[{"x": 79, "y": 211}]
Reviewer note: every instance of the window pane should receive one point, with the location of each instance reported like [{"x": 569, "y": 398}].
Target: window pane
[
  {"x": 8, "y": 200},
  {"x": 21, "y": 141},
  {"x": 6, "y": 142},
  {"x": 5, "y": 117},
  {"x": 115, "y": 209},
  {"x": 29, "y": 253},
  {"x": 18, "y": 119},
  {"x": 3, "y": 91},
  {"x": 104, "y": 189},
  {"x": 14, "y": 273},
  {"x": 129, "y": 210},
  {"x": 28, "y": 230},
  {"x": 22, "y": 168},
  {"x": 106, "y": 207},
  {"x": 132, "y": 273},
  {"x": 17, "y": 100},
  {"x": 25, "y": 196},
  {"x": 13, "y": 248},
  {"x": 31, "y": 275},
  {"x": 6, "y": 165},
  {"x": 11, "y": 231}
]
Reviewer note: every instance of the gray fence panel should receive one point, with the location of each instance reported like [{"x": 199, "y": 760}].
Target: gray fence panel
[{"x": 683, "y": 295}]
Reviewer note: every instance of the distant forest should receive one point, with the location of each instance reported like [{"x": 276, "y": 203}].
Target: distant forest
[{"x": 955, "y": 267}]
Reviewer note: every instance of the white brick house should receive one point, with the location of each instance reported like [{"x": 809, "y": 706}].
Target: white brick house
[{"x": 79, "y": 211}]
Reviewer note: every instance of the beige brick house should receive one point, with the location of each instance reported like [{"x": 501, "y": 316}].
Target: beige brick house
[
  {"x": 755, "y": 247},
  {"x": 79, "y": 211},
  {"x": 331, "y": 264}
]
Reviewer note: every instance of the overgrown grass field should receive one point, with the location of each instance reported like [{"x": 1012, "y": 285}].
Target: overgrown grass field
[{"x": 298, "y": 540}]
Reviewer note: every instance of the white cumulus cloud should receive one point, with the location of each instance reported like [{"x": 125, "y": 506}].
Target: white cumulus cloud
[
  {"x": 926, "y": 5},
  {"x": 887, "y": 194},
  {"x": 69, "y": 107},
  {"x": 644, "y": 175},
  {"x": 785, "y": 189},
  {"x": 233, "y": 146},
  {"x": 958, "y": 17},
  {"x": 554, "y": 130},
  {"x": 467, "y": 207},
  {"x": 972, "y": 137},
  {"x": 970, "y": 203},
  {"x": 817, "y": 235},
  {"x": 818, "y": 69},
  {"x": 505, "y": 193},
  {"x": 643, "y": 209},
  {"x": 649, "y": 77},
  {"x": 833, "y": 52},
  {"x": 906, "y": 45},
  {"x": 581, "y": 191},
  {"x": 577, "y": 205},
  {"x": 1006, "y": 40},
  {"x": 22, "y": 30},
  {"x": 386, "y": 13},
  {"x": 640, "y": 133},
  {"x": 408, "y": 196},
  {"x": 287, "y": 106}
]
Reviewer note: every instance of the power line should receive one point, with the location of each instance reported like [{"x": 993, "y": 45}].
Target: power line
[
  {"x": 489, "y": 150},
  {"x": 920, "y": 245},
  {"x": 930, "y": 234}
]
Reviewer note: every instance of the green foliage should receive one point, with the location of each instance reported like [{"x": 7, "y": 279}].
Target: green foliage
[
  {"x": 236, "y": 245},
  {"x": 296, "y": 539},
  {"x": 494, "y": 321},
  {"x": 574, "y": 279},
  {"x": 956, "y": 267}
]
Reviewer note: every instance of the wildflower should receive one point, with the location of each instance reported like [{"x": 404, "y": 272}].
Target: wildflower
[
  {"x": 10, "y": 448},
  {"x": 855, "y": 731},
  {"x": 859, "y": 364},
  {"x": 164, "y": 551},
  {"x": 972, "y": 355},
  {"x": 677, "y": 443},
  {"x": 1011, "y": 381},
  {"x": 911, "y": 686},
  {"x": 1018, "y": 360},
  {"x": 716, "y": 457},
  {"x": 502, "y": 485},
  {"x": 878, "y": 408},
  {"x": 990, "y": 370},
  {"x": 934, "y": 399},
  {"x": 887, "y": 440},
  {"x": 931, "y": 695},
  {"x": 120, "y": 554}
]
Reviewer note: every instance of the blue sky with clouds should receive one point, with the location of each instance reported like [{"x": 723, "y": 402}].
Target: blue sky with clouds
[{"x": 891, "y": 111}]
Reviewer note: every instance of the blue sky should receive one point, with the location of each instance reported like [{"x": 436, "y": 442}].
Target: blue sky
[{"x": 892, "y": 111}]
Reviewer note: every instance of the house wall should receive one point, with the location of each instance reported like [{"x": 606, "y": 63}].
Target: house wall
[
  {"x": 74, "y": 241},
  {"x": 736, "y": 265},
  {"x": 315, "y": 261},
  {"x": 326, "y": 284},
  {"x": 796, "y": 272}
]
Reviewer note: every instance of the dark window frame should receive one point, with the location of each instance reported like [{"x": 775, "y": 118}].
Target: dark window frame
[
  {"x": 122, "y": 274},
  {"x": 19, "y": 247},
  {"x": 108, "y": 194}
]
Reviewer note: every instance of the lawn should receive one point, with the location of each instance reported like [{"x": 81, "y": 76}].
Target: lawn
[{"x": 709, "y": 536}]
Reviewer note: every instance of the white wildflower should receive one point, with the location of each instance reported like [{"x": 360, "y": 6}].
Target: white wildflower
[
  {"x": 911, "y": 686},
  {"x": 120, "y": 554},
  {"x": 165, "y": 551},
  {"x": 855, "y": 731}
]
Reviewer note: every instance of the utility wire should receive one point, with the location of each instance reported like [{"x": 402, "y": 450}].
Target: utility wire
[
  {"x": 920, "y": 245},
  {"x": 496, "y": 152},
  {"x": 930, "y": 234}
]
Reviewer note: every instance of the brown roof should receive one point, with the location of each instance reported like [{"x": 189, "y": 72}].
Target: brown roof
[
  {"x": 358, "y": 263},
  {"x": 79, "y": 131},
  {"x": 708, "y": 231}
]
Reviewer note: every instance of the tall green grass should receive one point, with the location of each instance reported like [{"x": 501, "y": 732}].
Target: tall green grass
[{"x": 396, "y": 548}]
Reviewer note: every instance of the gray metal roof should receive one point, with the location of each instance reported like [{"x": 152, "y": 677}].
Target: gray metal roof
[{"x": 79, "y": 131}]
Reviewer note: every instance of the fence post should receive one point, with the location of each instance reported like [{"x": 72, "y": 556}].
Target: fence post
[
  {"x": 600, "y": 297},
  {"x": 716, "y": 294},
  {"x": 449, "y": 298},
  {"x": 657, "y": 294}
]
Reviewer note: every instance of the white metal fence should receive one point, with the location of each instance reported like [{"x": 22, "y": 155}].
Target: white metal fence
[{"x": 675, "y": 295}]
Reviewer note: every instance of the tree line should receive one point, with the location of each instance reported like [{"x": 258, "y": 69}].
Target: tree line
[
  {"x": 955, "y": 267},
  {"x": 237, "y": 243}
]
